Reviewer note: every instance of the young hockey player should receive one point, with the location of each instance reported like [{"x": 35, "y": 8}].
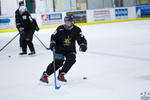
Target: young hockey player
[
  {"x": 29, "y": 26},
  {"x": 63, "y": 41}
]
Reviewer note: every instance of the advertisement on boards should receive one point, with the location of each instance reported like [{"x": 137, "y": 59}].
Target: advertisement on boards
[
  {"x": 101, "y": 15},
  {"x": 143, "y": 11},
  {"x": 7, "y": 22},
  {"x": 121, "y": 13},
  {"x": 79, "y": 16},
  {"x": 51, "y": 19}
]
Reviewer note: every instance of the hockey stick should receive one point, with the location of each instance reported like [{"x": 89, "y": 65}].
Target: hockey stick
[
  {"x": 56, "y": 86},
  {"x": 41, "y": 42},
  {"x": 9, "y": 42}
]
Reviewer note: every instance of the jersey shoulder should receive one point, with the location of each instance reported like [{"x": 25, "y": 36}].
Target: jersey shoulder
[
  {"x": 60, "y": 27},
  {"x": 17, "y": 12},
  {"x": 78, "y": 29}
]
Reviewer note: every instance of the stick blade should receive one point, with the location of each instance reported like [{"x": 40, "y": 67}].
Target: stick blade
[{"x": 57, "y": 87}]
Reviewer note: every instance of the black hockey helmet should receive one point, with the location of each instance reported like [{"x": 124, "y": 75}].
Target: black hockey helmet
[
  {"x": 22, "y": 9},
  {"x": 69, "y": 18},
  {"x": 21, "y": 3}
]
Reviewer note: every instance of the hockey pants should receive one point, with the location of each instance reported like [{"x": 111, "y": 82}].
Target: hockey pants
[{"x": 60, "y": 62}]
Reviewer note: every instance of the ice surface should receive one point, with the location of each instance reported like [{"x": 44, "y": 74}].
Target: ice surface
[{"x": 117, "y": 65}]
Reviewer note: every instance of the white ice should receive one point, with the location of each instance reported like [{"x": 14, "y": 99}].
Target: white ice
[{"x": 117, "y": 65}]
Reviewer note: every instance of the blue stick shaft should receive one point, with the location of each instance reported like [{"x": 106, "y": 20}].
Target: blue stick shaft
[{"x": 55, "y": 81}]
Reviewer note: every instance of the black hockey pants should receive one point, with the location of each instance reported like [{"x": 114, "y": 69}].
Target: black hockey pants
[
  {"x": 66, "y": 65},
  {"x": 26, "y": 39},
  {"x": 28, "y": 43}
]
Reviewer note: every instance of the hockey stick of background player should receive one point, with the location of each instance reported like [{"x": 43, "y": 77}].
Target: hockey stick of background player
[
  {"x": 56, "y": 87},
  {"x": 41, "y": 42},
  {"x": 9, "y": 42}
]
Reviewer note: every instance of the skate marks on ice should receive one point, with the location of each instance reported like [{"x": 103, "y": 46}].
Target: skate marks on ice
[
  {"x": 144, "y": 77},
  {"x": 75, "y": 81},
  {"x": 51, "y": 83},
  {"x": 119, "y": 56},
  {"x": 26, "y": 55}
]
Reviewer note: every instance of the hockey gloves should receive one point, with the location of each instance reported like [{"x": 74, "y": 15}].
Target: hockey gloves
[
  {"x": 52, "y": 45},
  {"x": 21, "y": 29},
  {"x": 83, "y": 47},
  {"x": 37, "y": 29}
]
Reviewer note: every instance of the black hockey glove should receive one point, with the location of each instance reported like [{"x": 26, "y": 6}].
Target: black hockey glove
[
  {"x": 83, "y": 47},
  {"x": 37, "y": 29},
  {"x": 21, "y": 29},
  {"x": 52, "y": 45}
]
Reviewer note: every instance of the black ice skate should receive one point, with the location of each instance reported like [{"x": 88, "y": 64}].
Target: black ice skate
[
  {"x": 44, "y": 77},
  {"x": 32, "y": 53},
  {"x": 23, "y": 53},
  {"x": 61, "y": 77}
]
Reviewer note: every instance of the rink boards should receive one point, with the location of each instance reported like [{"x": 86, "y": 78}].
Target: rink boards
[{"x": 87, "y": 17}]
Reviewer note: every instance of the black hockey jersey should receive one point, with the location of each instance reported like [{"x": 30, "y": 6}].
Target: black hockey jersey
[
  {"x": 28, "y": 23},
  {"x": 18, "y": 19},
  {"x": 66, "y": 39}
]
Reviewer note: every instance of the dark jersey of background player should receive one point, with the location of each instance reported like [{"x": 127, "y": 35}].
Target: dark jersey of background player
[
  {"x": 19, "y": 22},
  {"x": 29, "y": 26},
  {"x": 18, "y": 16}
]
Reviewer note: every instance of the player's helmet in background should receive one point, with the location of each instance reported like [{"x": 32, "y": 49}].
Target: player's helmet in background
[
  {"x": 22, "y": 9},
  {"x": 21, "y": 3},
  {"x": 69, "y": 18}
]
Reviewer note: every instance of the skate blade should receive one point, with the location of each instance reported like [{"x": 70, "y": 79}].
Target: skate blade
[
  {"x": 61, "y": 83},
  {"x": 23, "y": 55},
  {"x": 33, "y": 55},
  {"x": 43, "y": 83}
]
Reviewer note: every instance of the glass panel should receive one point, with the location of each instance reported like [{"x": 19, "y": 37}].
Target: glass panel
[
  {"x": 30, "y": 6},
  {"x": 119, "y": 3},
  {"x": 0, "y": 8},
  {"x": 81, "y": 4},
  {"x": 142, "y": 2}
]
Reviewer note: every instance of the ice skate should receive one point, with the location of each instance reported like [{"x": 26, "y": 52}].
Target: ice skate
[
  {"x": 44, "y": 78},
  {"x": 32, "y": 53},
  {"x": 61, "y": 77},
  {"x": 23, "y": 53}
]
